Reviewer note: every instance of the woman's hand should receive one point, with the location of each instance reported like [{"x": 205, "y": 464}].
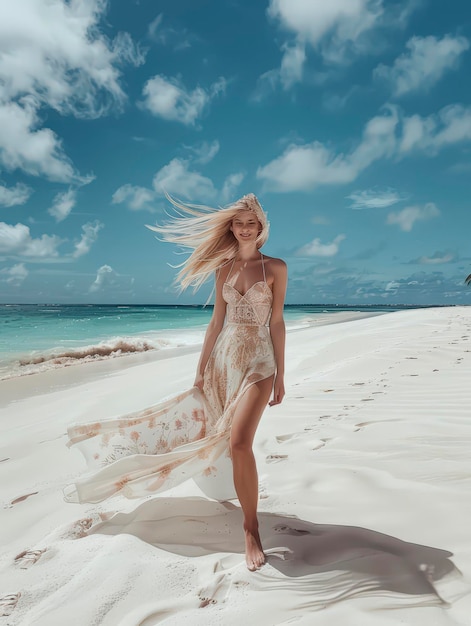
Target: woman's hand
[
  {"x": 199, "y": 381},
  {"x": 278, "y": 391}
]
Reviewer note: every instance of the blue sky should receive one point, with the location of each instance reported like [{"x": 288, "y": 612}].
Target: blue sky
[{"x": 351, "y": 121}]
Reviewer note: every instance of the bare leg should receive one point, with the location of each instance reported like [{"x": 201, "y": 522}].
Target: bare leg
[{"x": 246, "y": 419}]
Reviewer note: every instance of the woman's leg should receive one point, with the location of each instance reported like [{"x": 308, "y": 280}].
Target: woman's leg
[{"x": 244, "y": 424}]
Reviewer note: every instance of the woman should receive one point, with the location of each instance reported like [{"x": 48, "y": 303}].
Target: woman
[{"x": 241, "y": 364}]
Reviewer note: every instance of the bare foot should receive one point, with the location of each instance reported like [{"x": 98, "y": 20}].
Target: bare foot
[{"x": 254, "y": 555}]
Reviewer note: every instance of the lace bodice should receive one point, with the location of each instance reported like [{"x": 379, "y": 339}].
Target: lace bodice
[{"x": 253, "y": 308}]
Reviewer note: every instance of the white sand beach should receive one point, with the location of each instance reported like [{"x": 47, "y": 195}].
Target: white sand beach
[{"x": 365, "y": 483}]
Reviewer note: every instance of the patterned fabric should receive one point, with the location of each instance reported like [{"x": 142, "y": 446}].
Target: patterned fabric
[{"x": 187, "y": 436}]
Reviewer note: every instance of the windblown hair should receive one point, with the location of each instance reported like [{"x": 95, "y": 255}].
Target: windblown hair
[{"x": 207, "y": 233}]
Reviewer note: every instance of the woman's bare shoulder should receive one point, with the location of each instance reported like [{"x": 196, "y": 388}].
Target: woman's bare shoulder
[{"x": 275, "y": 264}]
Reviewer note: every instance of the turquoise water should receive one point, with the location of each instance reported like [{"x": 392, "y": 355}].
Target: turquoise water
[{"x": 37, "y": 337}]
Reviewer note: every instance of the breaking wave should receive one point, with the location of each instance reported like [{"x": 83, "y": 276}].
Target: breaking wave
[{"x": 56, "y": 358}]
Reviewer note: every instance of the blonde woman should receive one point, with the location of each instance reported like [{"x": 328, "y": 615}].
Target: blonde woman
[{"x": 241, "y": 366}]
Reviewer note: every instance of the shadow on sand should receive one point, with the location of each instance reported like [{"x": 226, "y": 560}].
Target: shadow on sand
[{"x": 325, "y": 563}]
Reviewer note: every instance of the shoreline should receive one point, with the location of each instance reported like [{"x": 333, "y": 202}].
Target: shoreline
[{"x": 15, "y": 387}]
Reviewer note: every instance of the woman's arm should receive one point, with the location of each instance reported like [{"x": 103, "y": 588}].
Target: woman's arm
[
  {"x": 277, "y": 328},
  {"x": 213, "y": 330}
]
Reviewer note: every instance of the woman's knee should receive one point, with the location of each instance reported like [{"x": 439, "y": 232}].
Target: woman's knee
[{"x": 240, "y": 445}]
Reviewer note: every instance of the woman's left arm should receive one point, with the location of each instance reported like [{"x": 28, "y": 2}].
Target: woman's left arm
[{"x": 277, "y": 328}]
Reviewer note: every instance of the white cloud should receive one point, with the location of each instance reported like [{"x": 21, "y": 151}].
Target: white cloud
[
  {"x": 292, "y": 64},
  {"x": 16, "y": 241},
  {"x": 289, "y": 72},
  {"x": 88, "y": 238},
  {"x": 387, "y": 135},
  {"x": 15, "y": 275},
  {"x": 169, "y": 99},
  {"x": 12, "y": 196},
  {"x": 302, "y": 168},
  {"x": 105, "y": 277},
  {"x": 135, "y": 197},
  {"x": 436, "y": 259},
  {"x": 231, "y": 184},
  {"x": 449, "y": 126},
  {"x": 333, "y": 27},
  {"x": 36, "y": 151},
  {"x": 204, "y": 152},
  {"x": 63, "y": 204},
  {"x": 374, "y": 199},
  {"x": 154, "y": 27},
  {"x": 424, "y": 64},
  {"x": 54, "y": 55},
  {"x": 55, "y": 51},
  {"x": 407, "y": 217},
  {"x": 317, "y": 248},
  {"x": 177, "y": 179}
]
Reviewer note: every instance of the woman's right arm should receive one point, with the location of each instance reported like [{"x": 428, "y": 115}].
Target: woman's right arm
[{"x": 213, "y": 330}]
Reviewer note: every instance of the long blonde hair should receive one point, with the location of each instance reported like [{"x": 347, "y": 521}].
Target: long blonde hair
[{"x": 207, "y": 232}]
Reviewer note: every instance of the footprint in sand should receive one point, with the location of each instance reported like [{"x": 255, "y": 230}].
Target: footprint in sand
[
  {"x": 8, "y": 603},
  {"x": 21, "y": 498},
  {"x": 216, "y": 591},
  {"x": 275, "y": 458},
  {"x": 28, "y": 557},
  {"x": 363, "y": 424},
  {"x": 80, "y": 528}
]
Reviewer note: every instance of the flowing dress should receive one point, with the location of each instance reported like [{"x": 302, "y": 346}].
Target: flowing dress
[{"x": 188, "y": 435}]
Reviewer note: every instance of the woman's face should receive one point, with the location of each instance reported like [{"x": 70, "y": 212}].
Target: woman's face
[{"x": 246, "y": 226}]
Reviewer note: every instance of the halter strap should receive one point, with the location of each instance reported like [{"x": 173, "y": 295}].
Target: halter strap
[{"x": 263, "y": 268}]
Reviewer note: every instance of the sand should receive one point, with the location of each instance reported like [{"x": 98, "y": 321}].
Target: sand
[{"x": 365, "y": 482}]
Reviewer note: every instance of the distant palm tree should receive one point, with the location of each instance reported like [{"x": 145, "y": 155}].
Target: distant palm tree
[{"x": 467, "y": 280}]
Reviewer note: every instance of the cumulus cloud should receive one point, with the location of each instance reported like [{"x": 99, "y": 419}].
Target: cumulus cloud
[
  {"x": 16, "y": 241},
  {"x": 387, "y": 135},
  {"x": 136, "y": 198},
  {"x": 59, "y": 55},
  {"x": 13, "y": 196},
  {"x": 89, "y": 236},
  {"x": 15, "y": 275},
  {"x": 423, "y": 65},
  {"x": 333, "y": 27},
  {"x": 105, "y": 277},
  {"x": 63, "y": 204},
  {"x": 168, "y": 98},
  {"x": 176, "y": 178},
  {"x": 304, "y": 167},
  {"x": 54, "y": 55},
  {"x": 430, "y": 134},
  {"x": 406, "y": 218},
  {"x": 181, "y": 179},
  {"x": 317, "y": 248},
  {"x": 36, "y": 151},
  {"x": 375, "y": 199}
]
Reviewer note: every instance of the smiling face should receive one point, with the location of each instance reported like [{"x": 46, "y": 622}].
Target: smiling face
[{"x": 245, "y": 226}]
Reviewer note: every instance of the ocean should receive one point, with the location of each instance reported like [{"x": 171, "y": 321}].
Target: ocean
[{"x": 40, "y": 337}]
